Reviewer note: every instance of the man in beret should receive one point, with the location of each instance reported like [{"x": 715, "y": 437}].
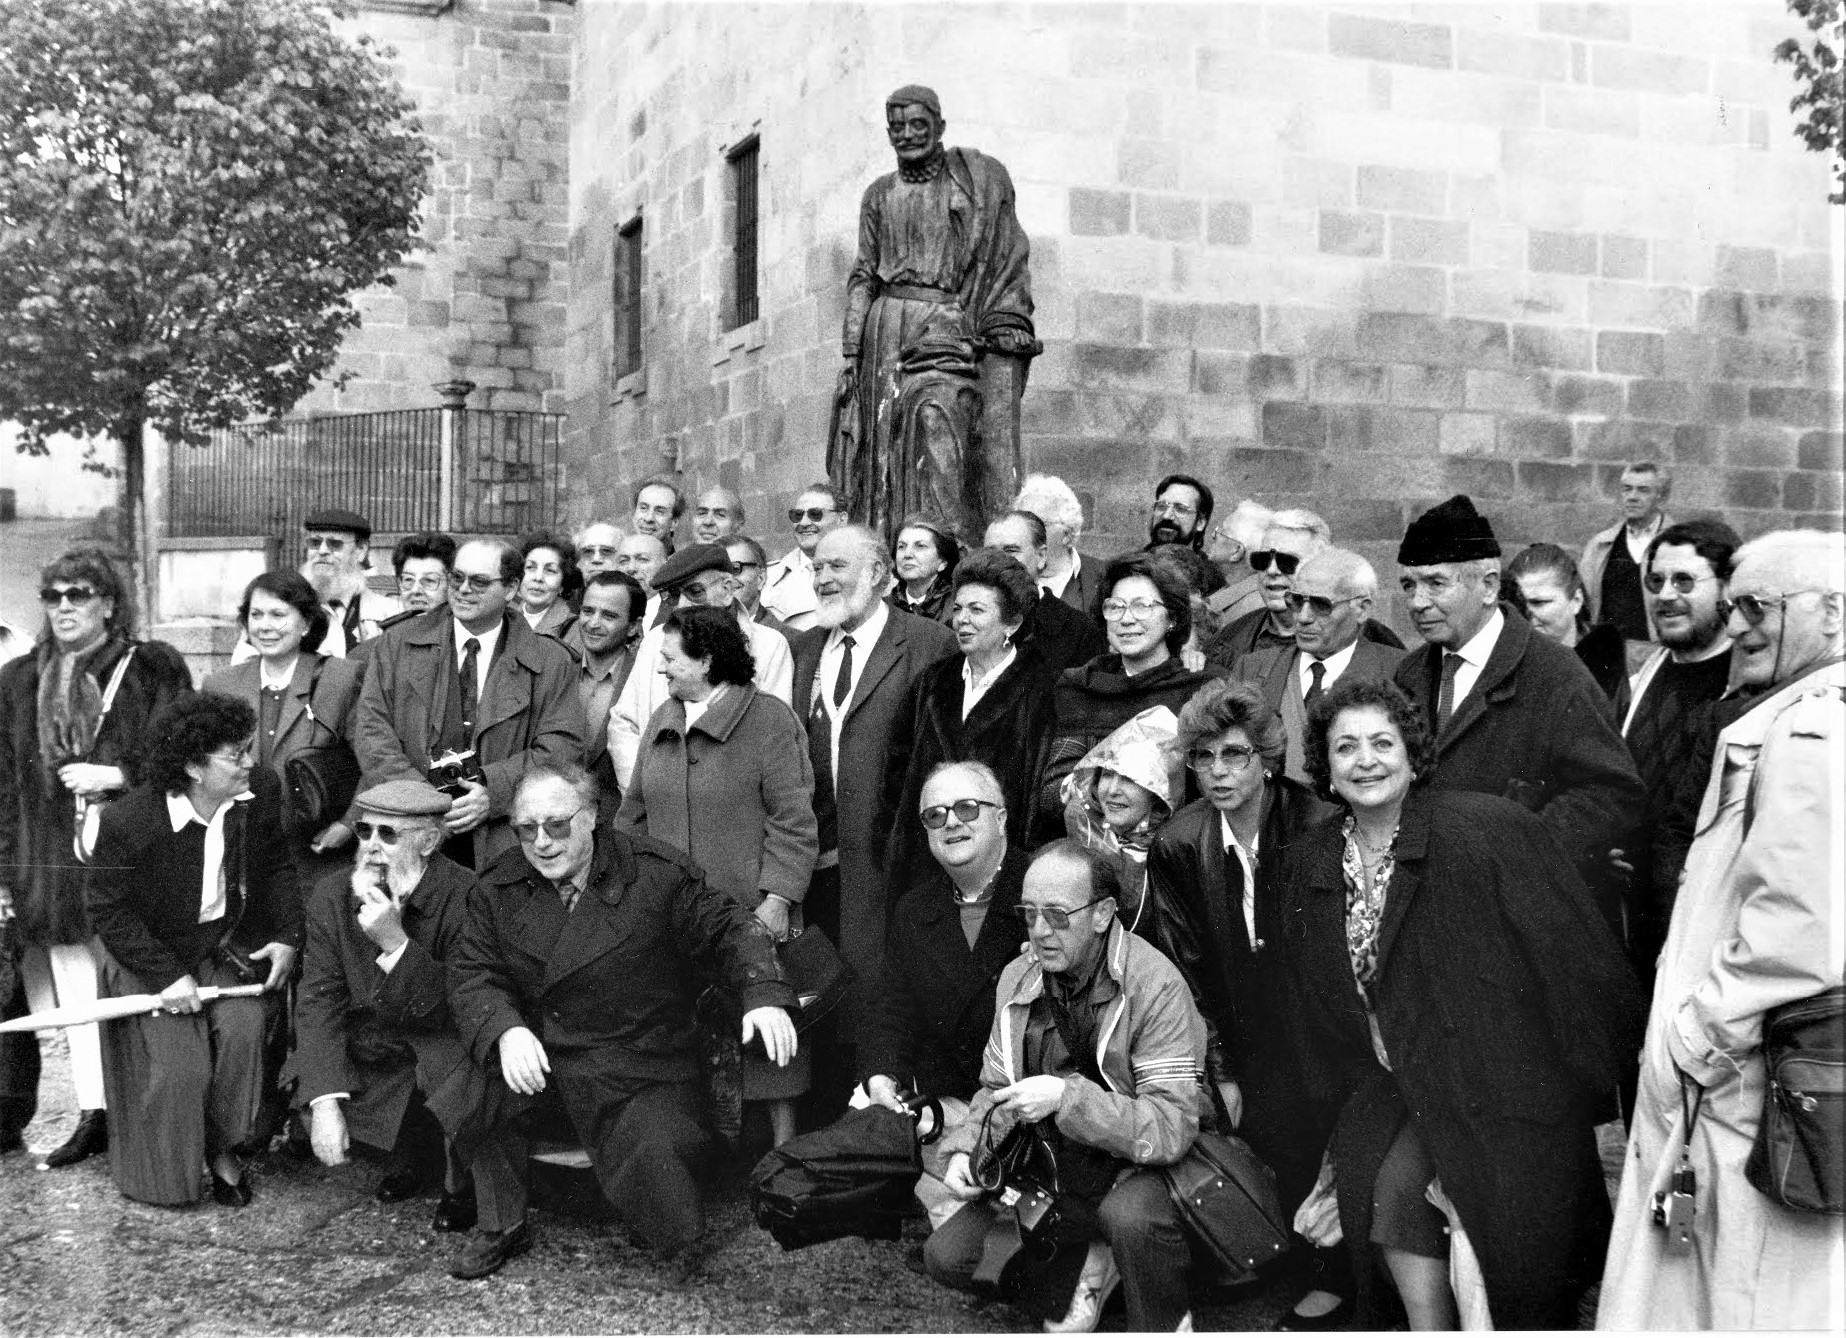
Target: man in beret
[
  {"x": 1514, "y": 714},
  {"x": 336, "y": 560},
  {"x": 697, "y": 574},
  {"x": 376, "y": 1043}
]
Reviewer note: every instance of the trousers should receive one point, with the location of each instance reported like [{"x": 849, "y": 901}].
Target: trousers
[{"x": 62, "y": 975}]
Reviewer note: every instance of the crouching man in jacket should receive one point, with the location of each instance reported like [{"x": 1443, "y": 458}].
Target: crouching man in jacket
[{"x": 1096, "y": 1036}]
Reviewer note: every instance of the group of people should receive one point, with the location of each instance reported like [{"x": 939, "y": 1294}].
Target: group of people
[{"x": 1182, "y": 839}]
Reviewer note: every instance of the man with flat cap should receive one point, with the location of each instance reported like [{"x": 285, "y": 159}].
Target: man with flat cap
[
  {"x": 336, "y": 561},
  {"x": 375, "y": 1037},
  {"x": 697, "y": 574},
  {"x": 1513, "y": 714}
]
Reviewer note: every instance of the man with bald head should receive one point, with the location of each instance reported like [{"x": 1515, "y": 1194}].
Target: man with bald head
[
  {"x": 854, "y": 674},
  {"x": 1331, "y": 595},
  {"x": 641, "y": 555},
  {"x": 718, "y": 515}
]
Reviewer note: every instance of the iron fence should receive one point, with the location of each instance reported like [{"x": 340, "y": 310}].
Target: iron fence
[{"x": 265, "y": 478}]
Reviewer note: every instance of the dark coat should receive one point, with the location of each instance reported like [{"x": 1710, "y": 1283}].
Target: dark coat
[
  {"x": 735, "y": 792},
  {"x": 1537, "y": 730},
  {"x": 37, "y": 814},
  {"x": 350, "y": 1014},
  {"x": 927, "y": 1023},
  {"x": 1253, "y": 632},
  {"x": 935, "y": 605},
  {"x": 1082, "y": 591},
  {"x": 529, "y": 712},
  {"x": 1274, "y": 671},
  {"x": 1604, "y": 652},
  {"x": 1508, "y": 1014},
  {"x": 616, "y": 980},
  {"x": 1063, "y": 637},
  {"x": 870, "y": 752},
  {"x": 142, "y": 892},
  {"x": 1010, "y": 730}
]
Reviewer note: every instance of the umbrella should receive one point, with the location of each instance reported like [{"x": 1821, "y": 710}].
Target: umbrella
[{"x": 128, "y": 1005}]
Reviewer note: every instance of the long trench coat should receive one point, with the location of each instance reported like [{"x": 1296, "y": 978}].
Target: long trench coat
[{"x": 1756, "y": 925}]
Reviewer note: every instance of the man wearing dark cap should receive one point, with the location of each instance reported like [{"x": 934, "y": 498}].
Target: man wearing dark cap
[
  {"x": 697, "y": 574},
  {"x": 375, "y": 1037},
  {"x": 1513, "y": 714}
]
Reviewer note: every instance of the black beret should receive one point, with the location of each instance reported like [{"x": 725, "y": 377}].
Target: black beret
[
  {"x": 1451, "y": 532},
  {"x": 335, "y": 519},
  {"x": 689, "y": 562}
]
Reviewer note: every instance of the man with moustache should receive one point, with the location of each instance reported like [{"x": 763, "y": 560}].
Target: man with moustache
[
  {"x": 338, "y": 545},
  {"x": 1064, "y": 637},
  {"x": 372, "y": 1019},
  {"x": 718, "y": 515},
  {"x": 658, "y": 506},
  {"x": 597, "y": 546},
  {"x": 603, "y": 640},
  {"x": 788, "y": 585}
]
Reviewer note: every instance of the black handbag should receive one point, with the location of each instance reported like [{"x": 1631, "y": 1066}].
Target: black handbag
[
  {"x": 853, "y": 1178},
  {"x": 818, "y": 974},
  {"x": 1797, "y": 1158},
  {"x": 321, "y": 779},
  {"x": 1227, "y": 1198}
]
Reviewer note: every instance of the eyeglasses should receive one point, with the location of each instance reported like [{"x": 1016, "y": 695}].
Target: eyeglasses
[
  {"x": 472, "y": 581},
  {"x": 1285, "y": 563},
  {"x": 1753, "y": 609},
  {"x": 1233, "y": 757},
  {"x": 558, "y": 829},
  {"x": 1055, "y": 916},
  {"x": 429, "y": 583},
  {"x": 814, "y": 513},
  {"x": 333, "y": 543},
  {"x": 1174, "y": 509},
  {"x": 1683, "y": 582},
  {"x": 596, "y": 551},
  {"x": 1322, "y": 606},
  {"x": 747, "y": 566},
  {"x": 242, "y": 756},
  {"x": 384, "y": 831},
  {"x": 1114, "y": 610},
  {"x": 77, "y": 596},
  {"x": 936, "y": 817}
]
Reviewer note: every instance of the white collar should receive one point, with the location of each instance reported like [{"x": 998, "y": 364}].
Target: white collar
[
  {"x": 265, "y": 680},
  {"x": 968, "y": 678},
  {"x": 1335, "y": 663},
  {"x": 487, "y": 638},
  {"x": 866, "y": 634},
  {"x": 1480, "y": 645},
  {"x": 180, "y": 810},
  {"x": 1230, "y": 837}
]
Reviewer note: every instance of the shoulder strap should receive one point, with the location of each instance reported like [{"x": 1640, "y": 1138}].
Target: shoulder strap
[{"x": 115, "y": 683}]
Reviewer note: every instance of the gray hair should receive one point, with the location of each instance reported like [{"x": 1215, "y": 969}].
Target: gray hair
[
  {"x": 1354, "y": 575},
  {"x": 1803, "y": 559},
  {"x": 1050, "y": 499},
  {"x": 1247, "y": 521},
  {"x": 1303, "y": 521},
  {"x": 979, "y": 770},
  {"x": 570, "y": 774},
  {"x": 865, "y": 538},
  {"x": 731, "y": 500},
  {"x": 1662, "y": 475}
]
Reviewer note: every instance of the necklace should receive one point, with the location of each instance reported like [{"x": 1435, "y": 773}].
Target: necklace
[
  {"x": 975, "y": 900},
  {"x": 1374, "y": 854}
]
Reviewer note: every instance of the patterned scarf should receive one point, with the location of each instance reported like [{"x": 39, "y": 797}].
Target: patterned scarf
[
  {"x": 70, "y": 703},
  {"x": 1364, "y": 903}
]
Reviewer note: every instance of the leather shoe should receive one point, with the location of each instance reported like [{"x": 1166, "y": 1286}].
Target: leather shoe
[
  {"x": 1337, "y": 1318},
  {"x": 90, "y": 1137},
  {"x": 231, "y": 1196},
  {"x": 456, "y": 1212},
  {"x": 396, "y": 1186},
  {"x": 487, "y": 1252}
]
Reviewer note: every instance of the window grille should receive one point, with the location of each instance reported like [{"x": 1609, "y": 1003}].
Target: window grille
[
  {"x": 744, "y": 304},
  {"x": 627, "y": 298}
]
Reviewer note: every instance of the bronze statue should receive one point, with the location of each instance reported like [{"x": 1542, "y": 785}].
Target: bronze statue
[{"x": 938, "y": 334}]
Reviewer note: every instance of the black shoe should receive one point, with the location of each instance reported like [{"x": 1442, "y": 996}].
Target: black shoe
[
  {"x": 398, "y": 1186},
  {"x": 11, "y": 1143},
  {"x": 229, "y": 1195},
  {"x": 456, "y": 1212},
  {"x": 1337, "y": 1318},
  {"x": 90, "y": 1137},
  {"x": 489, "y": 1251}
]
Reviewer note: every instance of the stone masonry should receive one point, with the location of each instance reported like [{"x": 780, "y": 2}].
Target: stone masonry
[{"x": 1355, "y": 258}]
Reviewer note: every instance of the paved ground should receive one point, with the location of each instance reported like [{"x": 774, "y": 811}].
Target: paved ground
[{"x": 317, "y": 1254}]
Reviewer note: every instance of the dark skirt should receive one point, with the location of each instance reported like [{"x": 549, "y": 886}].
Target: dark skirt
[{"x": 180, "y": 1088}]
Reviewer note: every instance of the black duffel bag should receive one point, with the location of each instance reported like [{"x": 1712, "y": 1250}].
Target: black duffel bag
[
  {"x": 1797, "y": 1159},
  {"x": 853, "y": 1178},
  {"x": 1227, "y": 1199}
]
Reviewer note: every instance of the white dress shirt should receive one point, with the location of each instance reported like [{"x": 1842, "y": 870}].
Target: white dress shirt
[
  {"x": 864, "y": 637},
  {"x": 972, "y": 688},
  {"x": 1056, "y": 584},
  {"x": 488, "y": 639},
  {"x": 1246, "y": 858},
  {"x": 1333, "y": 666},
  {"x": 1637, "y": 544},
  {"x": 1474, "y": 657},
  {"x": 211, "y": 876}
]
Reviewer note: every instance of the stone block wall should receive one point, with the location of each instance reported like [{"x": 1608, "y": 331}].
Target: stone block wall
[
  {"x": 1355, "y": 258},
  {"x": 485, "y": 303}
]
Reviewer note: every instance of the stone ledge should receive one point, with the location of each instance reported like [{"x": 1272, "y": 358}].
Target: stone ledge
[{"x": 422, "y": 8}]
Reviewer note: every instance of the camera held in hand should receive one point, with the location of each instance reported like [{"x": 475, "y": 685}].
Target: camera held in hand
[{"x": 454, "y": 771}]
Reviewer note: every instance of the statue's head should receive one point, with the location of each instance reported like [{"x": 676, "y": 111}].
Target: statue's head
[{"x": 913, "y": 122}]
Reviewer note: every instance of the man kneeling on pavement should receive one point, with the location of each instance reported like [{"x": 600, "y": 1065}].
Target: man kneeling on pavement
[
  {"x": 1097, "y": 1038},
  {"x": 579, "y": 960},
  {"x": 372, "y": 1015}
]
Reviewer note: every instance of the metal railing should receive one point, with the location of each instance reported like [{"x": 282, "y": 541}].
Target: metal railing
[{"x": 500, "y": 468}]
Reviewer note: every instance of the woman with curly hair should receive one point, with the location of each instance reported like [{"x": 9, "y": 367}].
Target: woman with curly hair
[
  {"x": 549, "y": 584},
  {"x": 73, "y": 713},
  {"x": 1464, "y": 1013},
  {"x": 192, "y": 885}
]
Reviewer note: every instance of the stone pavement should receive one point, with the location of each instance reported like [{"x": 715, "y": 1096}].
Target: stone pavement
[{"x": 316, "y": 1253}]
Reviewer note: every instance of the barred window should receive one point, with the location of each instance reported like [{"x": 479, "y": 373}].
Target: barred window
[
  {"x": 743, "y": 162},
  {"x": 627, "y": 298}
]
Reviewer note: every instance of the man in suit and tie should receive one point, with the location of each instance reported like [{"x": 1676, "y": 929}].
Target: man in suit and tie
[
  {"x": 1332, "y": 595},
  {"x": 465, "y": 679},
  {"x": 854, "y": 672},
  {"x": 1064, "y": 637},
  {"x": 581, "y": 959},
  {"x": 1515, "y": 715},
  {"x": 1050, "y": 499}
]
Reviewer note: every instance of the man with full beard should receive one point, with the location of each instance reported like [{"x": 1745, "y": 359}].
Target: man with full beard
[{"x": 337, "y": 555}]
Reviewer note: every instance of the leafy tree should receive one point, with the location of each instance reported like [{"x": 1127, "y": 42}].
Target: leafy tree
[
  {"x": 1822, "y": 94},
  {"x": 190, "y": 193}
]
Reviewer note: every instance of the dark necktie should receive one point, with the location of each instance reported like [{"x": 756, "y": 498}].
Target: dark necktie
[
  {"x": 1317, "y": 673},
  {"x": 470, "y": 684},
  {"x": 568, "y": 894},
  {"x": 842, "y": 682},
  {"x": 1445, "y": 700}
]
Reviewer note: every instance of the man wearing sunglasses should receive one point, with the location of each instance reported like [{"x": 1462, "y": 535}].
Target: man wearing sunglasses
[
  {"x": 465, "y": 679},
  {"x": 1331, "y": 600},
  {"x": 372, "y": 1019},
  {"x": 1755, "y": 928},
  {"x": 1096, "y": 1038},
  {"x": 788, "y": 585},
  {"x": 574, "y": 984},
  {"x": 1291, "y": 537}
]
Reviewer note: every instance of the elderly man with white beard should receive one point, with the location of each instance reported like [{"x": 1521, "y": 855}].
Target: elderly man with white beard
[
  {"x": 337, "y": 546},
  {"x": 372, "y": 1012}
]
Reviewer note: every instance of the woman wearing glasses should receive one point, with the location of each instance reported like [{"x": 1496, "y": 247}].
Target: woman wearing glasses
[
  {"x": 922, "y": 562},
  {"x": 1147, "y": 614},
  {"x": 723, "y": 775},
  {"x": 1463, "y": 1013},
  {"x": 1558, "y": 608},
  {"x": 192, "y": 886},
  {"x": 990, "y": 704},
  {"x": 73, "y": 718},
  {"x": 303, "y": 701}
]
